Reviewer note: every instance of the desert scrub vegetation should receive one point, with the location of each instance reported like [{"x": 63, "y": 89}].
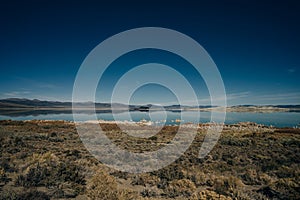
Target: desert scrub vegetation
[
  {"x": 227, "y": 185},
  {"x": 104, "y": 186},
  {"x": 49, "y": 171},
  {"x": 47, "y": 160},
  {"x": 24, "y": 195},
  {"x": 182, "y": 187},
  {"x": 3, "y": 177},
  {"x": 208, "y": 194},
  {"x": 145, "y": 179}
]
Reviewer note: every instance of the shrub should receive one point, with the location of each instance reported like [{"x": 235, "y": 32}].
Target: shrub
[
  {"x": 145, "y": 179},
  {"x": 148, "y": 193},
  {"x": 34, "y": 194},
  {"x": 227, "y": 185},
  {"x": 34, "y": 177},
  {"x": 30, "y": 194},
  {"x": 169, "y": 173},
  {"x": 198, "y": 177},
  {"x": 104, "y": 186},
  {"x": 286, "y": 188},
  {"x": 182, "y": 187},
  {"x": 49, "y": 171},
  {"x": 207, "y": 194},
  {"x": 3, "y": 177},
  {"x": 250, "y": 177}
]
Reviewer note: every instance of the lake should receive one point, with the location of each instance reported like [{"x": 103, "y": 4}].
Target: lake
[{"x": 277, "y": 119}]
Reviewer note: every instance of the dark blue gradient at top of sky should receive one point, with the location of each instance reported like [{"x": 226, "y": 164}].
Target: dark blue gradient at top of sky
[{"x": 255, "y": 45}]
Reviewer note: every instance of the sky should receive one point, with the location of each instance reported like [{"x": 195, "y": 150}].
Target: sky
[{"x": 255, "y": 45}]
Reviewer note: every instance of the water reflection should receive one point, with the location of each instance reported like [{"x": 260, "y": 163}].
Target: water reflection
[{"x": 279, "y": 119}]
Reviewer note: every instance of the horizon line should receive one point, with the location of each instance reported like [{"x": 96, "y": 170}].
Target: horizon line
[{"x": 143, "y": 104}]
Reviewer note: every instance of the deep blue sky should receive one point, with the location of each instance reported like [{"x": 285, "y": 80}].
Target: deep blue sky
[{"x": 256, "y": 46}]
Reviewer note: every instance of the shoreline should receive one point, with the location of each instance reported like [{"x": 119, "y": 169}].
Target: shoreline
[{"x": 146, "y": 123}]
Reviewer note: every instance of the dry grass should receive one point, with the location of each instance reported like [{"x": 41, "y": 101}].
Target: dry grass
[
  {"x": 43, "y": 160},
  {"x": 104, "y": 186}
]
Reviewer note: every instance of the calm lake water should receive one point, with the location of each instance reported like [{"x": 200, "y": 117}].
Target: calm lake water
[{"x": 278, "y": 119}]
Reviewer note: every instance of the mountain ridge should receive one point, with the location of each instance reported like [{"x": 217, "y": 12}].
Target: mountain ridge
[{"x": 23, "y": 103}]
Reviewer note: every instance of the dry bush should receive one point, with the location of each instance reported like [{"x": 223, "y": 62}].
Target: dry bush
[
  {"x": 170, "y": 173},
  {"x": 145, "y": 180},
  {"x": 183, "y": 187},
  {"x": 250, "y": 177},
  {"x": 208, "y": 194},
  {"x": 149, "y": 192},
  {"x": 50, "y": 174},
  {"x": 66, "y": 178},
  {"x": 126, "y": 194},
  {"x": 265, "y": 178},
  {"x": 3, "y": 177},
  {"x": 286, "y": 188},
  {"x": 103, "y": 186},
  {"x": 288, "y": 171},
  {"x": 41, "y": 159},
  {"x": 227, "y": 185},
  {"x": 198, "y": 177},
  {"x": 24, "y": 195}
]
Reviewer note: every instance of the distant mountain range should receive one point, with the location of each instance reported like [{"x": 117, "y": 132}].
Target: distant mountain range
[{"x": 35, "y": 104}]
